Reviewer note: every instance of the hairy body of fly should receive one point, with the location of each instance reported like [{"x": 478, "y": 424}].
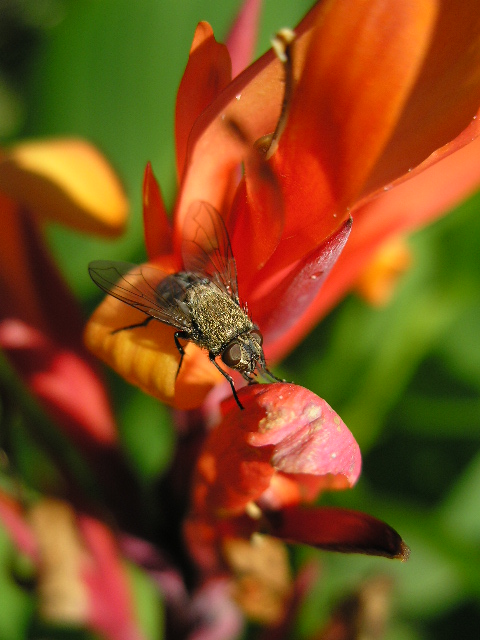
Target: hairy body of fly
[
  {"x": 201, "y": 302},
  {"x": 215, "y": 319}
]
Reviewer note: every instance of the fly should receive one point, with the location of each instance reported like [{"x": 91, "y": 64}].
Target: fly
[{"x": 201, "y": 302}]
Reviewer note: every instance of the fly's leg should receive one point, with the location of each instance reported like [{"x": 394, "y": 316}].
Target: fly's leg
[
  {"x": 181, "y": 350},
  {"x": 271, "y": 376},
  {"x": 228, "y": 377},
  {"x": 134, "y": 326},
  {"x": 250, "y": 378}
]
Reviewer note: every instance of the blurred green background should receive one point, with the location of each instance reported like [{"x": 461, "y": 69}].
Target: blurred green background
[{"x": 405, "y": 379}]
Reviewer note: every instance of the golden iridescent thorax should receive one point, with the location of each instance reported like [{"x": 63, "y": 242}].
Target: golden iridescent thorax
[{"x": 217, "y": 317}]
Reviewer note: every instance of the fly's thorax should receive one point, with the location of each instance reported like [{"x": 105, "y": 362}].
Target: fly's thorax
[{"x": 217, "y": 319}]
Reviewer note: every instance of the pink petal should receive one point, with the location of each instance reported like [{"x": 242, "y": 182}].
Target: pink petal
[
  {"x": 243, "y": 36},
  {"x": 111, "y": 606}
]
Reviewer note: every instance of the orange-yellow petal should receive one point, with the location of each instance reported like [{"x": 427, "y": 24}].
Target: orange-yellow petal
[
  {"x": 147, "y": 356},
  {"x": 66, "y": 180},
  {"x": 377, "y": 281}
]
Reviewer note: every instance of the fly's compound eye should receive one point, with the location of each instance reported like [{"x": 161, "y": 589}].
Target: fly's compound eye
[
  {"x": 257, "y": 336},
  {"x": 232, "y": 355}
]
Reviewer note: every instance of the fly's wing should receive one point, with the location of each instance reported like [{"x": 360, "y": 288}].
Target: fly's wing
[
  {"x": 206, "y": 248},
  {"x": 145, "y": 288}
]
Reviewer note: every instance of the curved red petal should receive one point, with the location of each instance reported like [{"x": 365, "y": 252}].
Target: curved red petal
[
  {"x": 336, "y": 529},
  {"x": 278, "y": 307},
  {"x": 156, "y": 223}
]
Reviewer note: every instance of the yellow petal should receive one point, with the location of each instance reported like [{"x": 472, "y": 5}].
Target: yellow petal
[
  {"x": 147, "y": 356},
  {"x": 66, "y": 180},
  {"x": 376, "y": 283}
]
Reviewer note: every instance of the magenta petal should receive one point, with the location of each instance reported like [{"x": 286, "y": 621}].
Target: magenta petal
[
  {"x": 336, "y": 529},
  {"x": 242, "y": 38}
]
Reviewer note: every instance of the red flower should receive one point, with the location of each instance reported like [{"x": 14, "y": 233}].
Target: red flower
[
  {"x": 259, "y": 468},
  {"x": 378, "y": 107}
]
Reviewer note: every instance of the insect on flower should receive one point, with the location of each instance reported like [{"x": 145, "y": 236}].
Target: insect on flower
[{"x": 201, "y": 302}]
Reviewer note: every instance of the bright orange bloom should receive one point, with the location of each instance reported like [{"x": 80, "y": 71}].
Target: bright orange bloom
[{"x": 380, "y": 126}]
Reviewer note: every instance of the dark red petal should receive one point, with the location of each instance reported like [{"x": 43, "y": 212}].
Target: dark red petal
[
  {"x": 336, "y": 529},
  {"x": 156, "y": 223},
  {"x": 277, "y": 308}
]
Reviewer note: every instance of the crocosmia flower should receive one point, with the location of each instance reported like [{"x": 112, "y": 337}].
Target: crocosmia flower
[{"x": 318, "y": 156}]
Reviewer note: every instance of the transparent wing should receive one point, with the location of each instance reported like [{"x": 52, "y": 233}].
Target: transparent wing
[
  {"x": 148, "y": 289},
  {"x": 206, "y": 248}
]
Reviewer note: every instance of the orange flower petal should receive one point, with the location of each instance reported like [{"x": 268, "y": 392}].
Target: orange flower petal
[
  {"x": 147, "y": 356},
  {"x": 360, "y": 66},
  {"x": 445, "y": 97},
  {"x": 208, "y": 71},
  {"x": 66, "y": 180},
  {"x": 247, "y": 109},
  {"x": 377, "y": 281}
]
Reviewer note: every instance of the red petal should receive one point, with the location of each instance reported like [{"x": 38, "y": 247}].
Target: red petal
[
  {"x": 404, "y": 208},
  {"x": 336, "y": 529},
  {"x": 156, "y": 223},
  {"x": 283, "y": 429},
  {"x": 63, "y": 382},
  {"x": 208, "y": 72},
  {"x": 258, "y": 221}
]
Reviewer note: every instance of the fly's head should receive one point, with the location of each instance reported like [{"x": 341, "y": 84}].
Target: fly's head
[{"x": 245, "y": 353}]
